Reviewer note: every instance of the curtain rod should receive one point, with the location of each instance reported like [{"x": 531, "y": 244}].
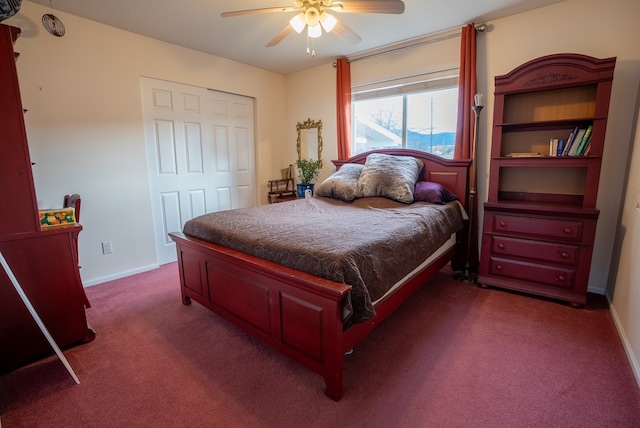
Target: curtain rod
[{"x": 481, "y": 28}]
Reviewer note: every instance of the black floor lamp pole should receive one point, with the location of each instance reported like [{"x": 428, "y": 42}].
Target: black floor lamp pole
[{"x": 468, "y": 275}]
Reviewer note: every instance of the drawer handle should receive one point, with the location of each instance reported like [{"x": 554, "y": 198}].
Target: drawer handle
[
  {"x": 561, "y": 278},
  {"x": 501, "y": 246},
  {"x": 564, "y": 255},
  {"x": 503, "y": 223},
  {"x": 498, "y": 267},
  {"x": 568, "y": 230}
]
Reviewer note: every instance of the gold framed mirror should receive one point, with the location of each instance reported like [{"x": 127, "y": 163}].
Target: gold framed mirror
[{"x": 309, "y": 143}]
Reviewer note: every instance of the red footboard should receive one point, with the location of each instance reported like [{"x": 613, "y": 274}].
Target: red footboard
[{"x": 297, "y": 313}]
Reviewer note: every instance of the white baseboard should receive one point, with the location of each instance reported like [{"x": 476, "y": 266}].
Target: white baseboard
[
  {"x": 627, "y": 346},
  {"x": 119, "y": 275}
]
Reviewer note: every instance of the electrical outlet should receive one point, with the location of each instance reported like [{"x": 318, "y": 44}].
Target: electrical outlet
[{"x": 107, "y": 248}]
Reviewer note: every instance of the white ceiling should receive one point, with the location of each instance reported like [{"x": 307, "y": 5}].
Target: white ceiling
[{"x": 197, "y": 24}]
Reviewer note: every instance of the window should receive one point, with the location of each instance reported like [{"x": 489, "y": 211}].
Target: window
[{"x": 420, "y": 116}]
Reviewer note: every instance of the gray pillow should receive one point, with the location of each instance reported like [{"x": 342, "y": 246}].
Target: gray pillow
[
  {"x": 342, "y": 184},
  {"x": 392, "y": 177}
]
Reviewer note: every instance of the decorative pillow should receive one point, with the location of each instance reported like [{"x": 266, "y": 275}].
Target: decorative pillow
[
  {"x": 392, "y": 177},
  {"x": 342, "y": 184},
  {"x": 428, "y": 191}
]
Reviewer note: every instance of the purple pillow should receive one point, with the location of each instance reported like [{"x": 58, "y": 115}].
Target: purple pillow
[{"x": 429, "y": 191}]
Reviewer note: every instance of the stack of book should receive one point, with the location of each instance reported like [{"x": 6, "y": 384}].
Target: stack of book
[{"x": 578, "y": 143}]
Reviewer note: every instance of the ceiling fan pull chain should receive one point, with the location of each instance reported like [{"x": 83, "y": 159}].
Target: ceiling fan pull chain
[
  {"x": 308, "y": 51},
  {"x": 313, "y": 48}
]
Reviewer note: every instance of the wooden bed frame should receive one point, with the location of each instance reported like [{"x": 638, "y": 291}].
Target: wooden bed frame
[{"x": 297, "y": 313}]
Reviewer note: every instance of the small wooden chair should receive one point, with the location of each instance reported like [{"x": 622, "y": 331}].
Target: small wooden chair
[{"x": 73, "y": 201}]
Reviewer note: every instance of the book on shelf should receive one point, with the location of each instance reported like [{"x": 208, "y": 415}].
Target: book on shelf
[
  {"x": 585, "y": 141},
  {"x": 577, "y": 138},
  {"x": 569, "y": 143},
  {"x": 583, "y": 146},
  {"x": 553, "y": 146},
  {"x": 585, "y": 149},
  {"x": 556, "y": 145}
]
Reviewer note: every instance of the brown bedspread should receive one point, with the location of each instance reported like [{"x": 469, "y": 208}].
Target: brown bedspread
[{"x": 370, "y": 243}]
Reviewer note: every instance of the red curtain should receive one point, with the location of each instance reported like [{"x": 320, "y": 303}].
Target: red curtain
[
  {"x": 467, "y": 87},
  {"x": 343, "y": 107},
  {"x": 468, "y": 259}
]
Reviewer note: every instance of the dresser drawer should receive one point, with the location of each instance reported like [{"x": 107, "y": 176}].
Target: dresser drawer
[
  {"x": 531, "y": 272},
  {"x": 544, "y": 251},
  {"x": 542, "y": 227}
]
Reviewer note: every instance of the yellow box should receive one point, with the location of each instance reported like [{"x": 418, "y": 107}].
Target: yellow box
[{"x": 57, "y": 217}]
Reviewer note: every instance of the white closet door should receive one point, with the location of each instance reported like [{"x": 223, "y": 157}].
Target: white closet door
[{"x": 200, "y": 155}]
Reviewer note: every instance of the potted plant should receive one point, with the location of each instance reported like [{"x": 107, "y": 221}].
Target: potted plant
[{"x": 308, "y": 170}]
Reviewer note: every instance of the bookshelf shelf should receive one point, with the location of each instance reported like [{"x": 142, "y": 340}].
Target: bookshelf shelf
[
  {"x": 539, "y": 198},
  {"x": 545, "y": 160},
  {"x": 523, "y": 126}
]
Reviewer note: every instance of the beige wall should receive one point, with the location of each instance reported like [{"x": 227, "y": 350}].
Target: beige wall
[
  {"x": 624, "y": 277},
  {"x": 311, "y": 95},
  {"x": 591, "y": 27},
  {"x": 86, "y": 132}
]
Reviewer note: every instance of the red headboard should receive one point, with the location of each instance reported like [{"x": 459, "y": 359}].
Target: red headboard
[{"x": 453, "y": 174}]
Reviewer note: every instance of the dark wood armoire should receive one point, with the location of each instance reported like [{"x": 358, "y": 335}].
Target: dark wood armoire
[{"x": 44, "y": 261}]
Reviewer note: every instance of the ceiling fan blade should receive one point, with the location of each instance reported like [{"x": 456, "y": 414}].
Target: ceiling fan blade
[
  {"x": 371, "y": 6},
  {"x": 346, "y": 33},
  {"x": 256, "y": 11},
  {"x": 281, "y": 35}
]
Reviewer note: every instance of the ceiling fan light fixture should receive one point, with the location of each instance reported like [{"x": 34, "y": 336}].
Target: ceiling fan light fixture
[
  {"x": 312, "y": 16},
  {"x": 328, "y": 21},
  {"x": 318, "y": 17},
  {"x": 298, "y": 23},
  {"x": 314, "y": 31}
]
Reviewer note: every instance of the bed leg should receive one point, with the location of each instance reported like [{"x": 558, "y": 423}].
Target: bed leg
[
  {"x": 334, "y": 387},
  {"x": 186, "y": 300},
  {"x": 333, "y": 377}
]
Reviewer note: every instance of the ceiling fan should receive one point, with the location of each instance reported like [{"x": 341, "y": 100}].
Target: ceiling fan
[{"x": 315, "y": 16}]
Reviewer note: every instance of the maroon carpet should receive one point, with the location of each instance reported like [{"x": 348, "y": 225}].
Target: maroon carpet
[{"x": 453, "y": 356}]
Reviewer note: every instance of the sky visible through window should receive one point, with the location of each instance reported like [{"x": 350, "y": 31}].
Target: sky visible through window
[{"x": 430, "y": 119}]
